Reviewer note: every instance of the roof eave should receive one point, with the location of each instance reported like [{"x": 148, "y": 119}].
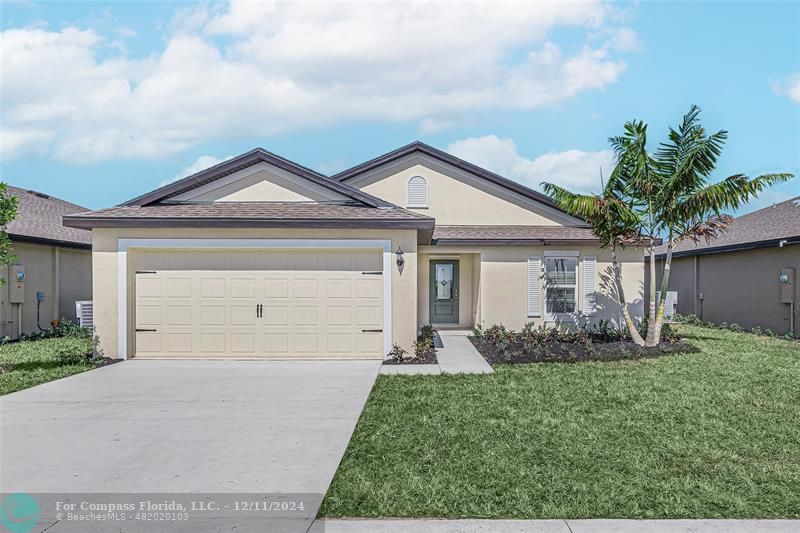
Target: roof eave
[
  {"x": 769, "y": 243},
  {"x": 225, "y": 222},
  {"x": 515, "y": 242},
  {"x": 30, "y": 239}
]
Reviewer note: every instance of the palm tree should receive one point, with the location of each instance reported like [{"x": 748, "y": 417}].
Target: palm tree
[
  {"x": 687, "y": 205},
  {"x": 663, "y": 194},
  {"x": 612, "y": 221}
]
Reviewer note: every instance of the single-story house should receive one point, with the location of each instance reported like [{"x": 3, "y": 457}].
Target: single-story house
[
  {"x": 747, "y": 275},
  {"x": 259, "y": 256},
  {"x": 53, "y": 261}
]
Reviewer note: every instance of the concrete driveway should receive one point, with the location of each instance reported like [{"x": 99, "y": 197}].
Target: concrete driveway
[{"x": 185, "y": 427}]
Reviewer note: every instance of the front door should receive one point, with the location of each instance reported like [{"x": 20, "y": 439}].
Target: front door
[{"x": 444, "y": 292}]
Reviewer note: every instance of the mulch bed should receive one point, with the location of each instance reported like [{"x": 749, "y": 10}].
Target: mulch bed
[{"x": 563, "y": 352}]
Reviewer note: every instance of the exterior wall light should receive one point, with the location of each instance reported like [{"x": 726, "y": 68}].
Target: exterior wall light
[
  {"x": 783, "y": 278},
  {"x": 400, "y": 261}
]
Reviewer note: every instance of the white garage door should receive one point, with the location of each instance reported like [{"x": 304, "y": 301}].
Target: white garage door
[{"x": 280, "y": 304}]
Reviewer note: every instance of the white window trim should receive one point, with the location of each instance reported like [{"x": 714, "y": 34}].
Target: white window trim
[
  {"x": 568, "y": 254},
  {"x": 427, "y": 193},
  {"x": 123, "y": 245}
]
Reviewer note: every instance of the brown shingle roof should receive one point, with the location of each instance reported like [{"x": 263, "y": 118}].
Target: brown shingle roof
[
  {"x": 251, "y": 214},
  {"x": 512, "y": 235},
  {"x": 774, "y": 223},
  {"x": 39, "y": 220}
]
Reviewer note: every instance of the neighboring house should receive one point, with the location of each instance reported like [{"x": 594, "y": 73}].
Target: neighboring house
[
  {"x": 261, "y": 257},
  {"x": 736, "y": 278},
  {"x": 56, "y": 262}
]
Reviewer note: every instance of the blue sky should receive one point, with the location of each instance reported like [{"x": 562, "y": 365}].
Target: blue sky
[{"x": 104, "y": 101}]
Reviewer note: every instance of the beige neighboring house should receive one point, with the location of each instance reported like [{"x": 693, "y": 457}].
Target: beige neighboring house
[
  {"x": 56, "y": 262},
  {"x": 261, "y": 257},
  {"x": 747, "y": 276}
]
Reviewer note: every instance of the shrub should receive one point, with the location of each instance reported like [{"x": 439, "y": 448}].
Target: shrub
[
  {"x": 499, "y": 336},
  {"x": 72, "y": 352},
  {"x": 397, "y": 353},
  {"x": 477, "y": 331},
  {"x": 422, "y": 346},
  {"x": 67, "y": 328}
]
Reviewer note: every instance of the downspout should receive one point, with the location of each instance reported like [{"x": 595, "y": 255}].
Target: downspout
[
  {"x": 56, "y": 284},
  {"x": 695, "y": 274}
]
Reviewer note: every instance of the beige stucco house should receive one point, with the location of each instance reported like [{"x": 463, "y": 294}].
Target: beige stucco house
[
  {"x": 261, "y": 257},
  {"x": 55, "y": 263}
]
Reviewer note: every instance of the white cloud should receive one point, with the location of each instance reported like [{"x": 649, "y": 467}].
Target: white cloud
[
  {"x": 574, "y": 169},
  {"x": 290, "y": 65},
  {"x": 788, "y": 86},
  {"x": 201, "y": 163}
]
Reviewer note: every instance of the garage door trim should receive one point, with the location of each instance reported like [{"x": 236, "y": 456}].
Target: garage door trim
[{"x": 123, "y": 245}]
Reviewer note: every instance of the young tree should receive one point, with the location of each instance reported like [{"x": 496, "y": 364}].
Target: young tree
[
  {"x": 614, "y": 223},
  {"x": 8, "y": 211},
  {"x": 668, "y": 194},
  {"x": 686, "y": 204}
]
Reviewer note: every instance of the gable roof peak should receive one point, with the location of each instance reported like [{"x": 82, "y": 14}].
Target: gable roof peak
[
  {"x": 441, "y": 155},
  {"x": 245, "y": 160}
]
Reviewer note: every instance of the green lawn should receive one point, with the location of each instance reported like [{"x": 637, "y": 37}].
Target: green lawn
[
  {"x": 714, "y": 434},
  {"x": 28, "y": 363}
]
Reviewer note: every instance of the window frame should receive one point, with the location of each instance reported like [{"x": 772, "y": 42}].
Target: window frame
[
  {"x": 573, "y": 255},
  {"x": 409, "y": 205}
]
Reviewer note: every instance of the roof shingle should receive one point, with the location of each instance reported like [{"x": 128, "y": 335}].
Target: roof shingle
[
  {"x": 779, "y": 221},
  {"x": 251, "y": 213},
  {"x": 39, "y": 218},
  {"x": 512, "y": 234}
]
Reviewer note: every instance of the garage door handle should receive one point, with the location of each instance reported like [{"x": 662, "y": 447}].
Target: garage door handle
[
  {"x": 371, "y": 331},
  {"x": 375, "y": 273},
  {"x": 138, "y": 330},
  {"x": 146, "y": 272}
]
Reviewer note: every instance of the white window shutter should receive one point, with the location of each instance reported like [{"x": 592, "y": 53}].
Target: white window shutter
[
  {"x": 534, "y": 286},
  {"x": 589, "y": 285},
  {"x": 417, "y": 192}
]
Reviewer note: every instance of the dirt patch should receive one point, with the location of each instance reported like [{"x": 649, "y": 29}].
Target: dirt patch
[{"x": 567, "y": 352}]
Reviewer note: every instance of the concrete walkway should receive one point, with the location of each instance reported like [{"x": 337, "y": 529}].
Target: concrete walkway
[
  {"x": 555, "y": 526},
  {"x": 456, "y": 355}
]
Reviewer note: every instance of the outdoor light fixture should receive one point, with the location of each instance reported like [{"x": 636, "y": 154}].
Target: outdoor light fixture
[
  {"x": 400, "y": 261},
  {"x": 783, "y": 278}
]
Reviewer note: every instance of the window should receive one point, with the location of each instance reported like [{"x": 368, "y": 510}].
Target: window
[
  {"x": 561, "y": 284},
  {"x": 417, "y": 192}
]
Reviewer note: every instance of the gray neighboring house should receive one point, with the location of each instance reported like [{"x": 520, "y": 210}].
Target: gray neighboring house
[
  {"x": 56, "y": 261},
  {"x": 747, "y": 276}
]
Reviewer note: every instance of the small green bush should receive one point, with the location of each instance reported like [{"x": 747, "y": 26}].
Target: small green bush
[
  {"x": 72, "y": 353},
  {"x": 397, "y": 353}
]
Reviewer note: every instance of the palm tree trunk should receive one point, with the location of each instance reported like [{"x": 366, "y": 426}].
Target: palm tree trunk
[
  {"x": 634, "y": 333},
  {"x": 663, "y": 296},
  {"x": 651, "y": 314}
]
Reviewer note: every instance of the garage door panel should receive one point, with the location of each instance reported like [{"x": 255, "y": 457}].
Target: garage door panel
[
  {"x": 259, "y": 304},
  {"x": 338, "y": 288},
  {"x": 212, "y": 342},
  {"x": 305, "y": 343},
  {"x": 243, "y": 287},
  {"x": 212, "y": 287},
  {"x": 276, "y": 343},
  {"x": 179, "y": 287},
  {"x": 305, "y": 288},
  {"x": 212, "y": 315},
  {"x": 243, "y": 315},
  {"x": 371, "y": 287},
  {"x": 243, "y": 343},
  {"x": 276, "y": 287}
]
